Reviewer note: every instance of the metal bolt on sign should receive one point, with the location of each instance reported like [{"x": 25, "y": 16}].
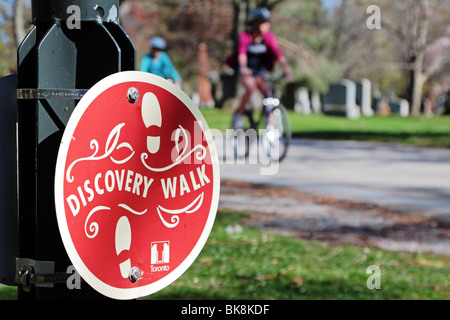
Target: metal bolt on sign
[
  {"x": 135, "y": 274},
  {"x": 133, "y": 95}
]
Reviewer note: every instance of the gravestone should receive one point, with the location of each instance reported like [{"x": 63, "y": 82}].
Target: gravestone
[
  {"x": 400, "y": 107},
  {"x": 341, "y": 100},
  {"x": 364, "y": 97},
  {"x": 302, "y": 103},
  {"x": 316, "y": 104}
]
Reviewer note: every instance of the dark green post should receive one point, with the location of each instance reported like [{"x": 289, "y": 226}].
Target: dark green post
[{"x": 72, "y": 45}]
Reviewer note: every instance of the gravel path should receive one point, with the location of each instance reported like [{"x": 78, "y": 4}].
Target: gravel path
[{"x": 323, "y": 218}]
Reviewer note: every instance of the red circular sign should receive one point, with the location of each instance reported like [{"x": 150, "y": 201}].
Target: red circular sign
[{"x": 137, "y": 185}]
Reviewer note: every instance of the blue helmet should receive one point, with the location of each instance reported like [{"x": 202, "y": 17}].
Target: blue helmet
[
  {"x": 259, "y": 15},
  {"x": 158, "y": 43}
]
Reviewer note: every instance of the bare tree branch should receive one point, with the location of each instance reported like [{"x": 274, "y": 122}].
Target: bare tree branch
[{"x": 19, "y": 22}]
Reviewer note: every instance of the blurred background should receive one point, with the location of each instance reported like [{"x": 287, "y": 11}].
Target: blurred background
[
  {"x": 335, "y": 208},
  {"x": 403, "y": 48}
]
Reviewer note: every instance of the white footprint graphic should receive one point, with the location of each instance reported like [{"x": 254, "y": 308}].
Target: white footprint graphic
[
  {"x": 151, "y": 114},
  {"x": 123, "y": 242}
]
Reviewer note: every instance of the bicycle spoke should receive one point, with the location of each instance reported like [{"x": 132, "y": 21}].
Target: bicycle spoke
[{"x": 277, "y": 136}]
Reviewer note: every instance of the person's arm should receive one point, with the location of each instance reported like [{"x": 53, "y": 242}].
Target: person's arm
[
  {"x": 171, "y": 71},
  {"x": 242, "y": 59},
  {"x": 272, "y": 42},
  {"x": 243, "y": 43},
  {"x": 284, "y": 65},
  {"x": 145, "y": 64}
]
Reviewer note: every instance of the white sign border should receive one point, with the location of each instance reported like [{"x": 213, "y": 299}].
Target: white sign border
[{"x": 82, "y": 106}]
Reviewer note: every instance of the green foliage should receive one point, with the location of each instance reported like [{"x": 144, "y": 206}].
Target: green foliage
[
  {"x": 320, "y": 76},
  {"x": 305, "y": 31},
  {"x": 392, "y": 81}
]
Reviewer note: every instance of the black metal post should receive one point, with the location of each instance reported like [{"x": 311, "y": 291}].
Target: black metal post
[
  {"x": 68, "y": 48},
  {"x": 8, "y": 177}
]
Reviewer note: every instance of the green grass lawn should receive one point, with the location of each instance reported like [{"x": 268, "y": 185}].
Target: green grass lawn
[
  {"x": 256, "y": 264},
  {"x": 8, "y": 293},
  {"x": 419, "y": 131}
]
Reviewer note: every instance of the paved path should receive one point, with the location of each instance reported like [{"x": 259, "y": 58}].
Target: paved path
[
  {"x": 391, "y": 197},
  {"x": 324, "y": 218},
  {"x": 402, "y": 178}
]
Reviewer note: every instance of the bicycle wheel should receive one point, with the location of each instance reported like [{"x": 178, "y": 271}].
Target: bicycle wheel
[
  {"x": 277, "y": 134},
  {"x": 239, "y": 141}
]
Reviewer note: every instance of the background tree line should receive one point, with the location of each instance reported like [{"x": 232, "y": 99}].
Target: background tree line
[{"x": 408, "y": 57}]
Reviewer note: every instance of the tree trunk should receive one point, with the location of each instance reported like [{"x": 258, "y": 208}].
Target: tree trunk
[
  {"x": 19, "y": 23},
  {"x": 419, "y": 80},
  {"x": 420, "y": 47}
]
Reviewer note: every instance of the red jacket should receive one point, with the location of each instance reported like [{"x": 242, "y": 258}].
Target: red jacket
[{"x": 245, "y": 39}]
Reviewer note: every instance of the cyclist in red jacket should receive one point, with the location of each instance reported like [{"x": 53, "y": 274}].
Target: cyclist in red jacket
[{"x": 258, "y": 51}]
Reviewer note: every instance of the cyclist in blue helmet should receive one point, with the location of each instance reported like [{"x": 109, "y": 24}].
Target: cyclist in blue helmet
[
  {"x": 259, "y": 15},
  {"x": 158, "y": 62}
]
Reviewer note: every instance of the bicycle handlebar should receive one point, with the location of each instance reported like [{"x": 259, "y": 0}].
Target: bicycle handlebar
[{"x": 274, "y": 77}]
